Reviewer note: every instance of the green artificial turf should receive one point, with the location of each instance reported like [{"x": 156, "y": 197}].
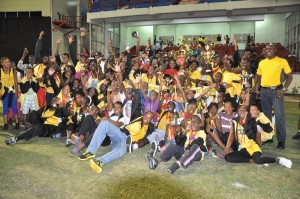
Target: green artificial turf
[{"x": 41, "y": 168}]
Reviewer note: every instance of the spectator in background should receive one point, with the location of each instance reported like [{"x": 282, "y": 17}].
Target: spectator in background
[
  {"x": 227, "y": 39},
  {"x": 219, "y": 39}
]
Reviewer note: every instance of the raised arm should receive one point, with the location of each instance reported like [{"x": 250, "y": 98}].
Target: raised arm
[
  {"x": 180, "y": 88},
  {"x": 72, "y": 49},
  {"x": 128, "y": 65},
  {"x": 20, "y": 63},
  {"x": 138, "y": 46},
  {"x": 160, "y": 87},
  {"x": 110, "y": 48},
  {"x": 213, "y": 85},
  {"x": 57, "y": 58},
  {"x": 38, "y": 48},
  {"x": 109, "y": 100},
  {"x": 82, "y": 37}
]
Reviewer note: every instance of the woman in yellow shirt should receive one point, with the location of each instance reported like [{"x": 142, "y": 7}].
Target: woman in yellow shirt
[{"x": 9, "y": 93}]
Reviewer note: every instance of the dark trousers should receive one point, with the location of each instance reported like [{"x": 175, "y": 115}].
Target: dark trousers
[
  {"x": 49, "y": 97},
  {"x": 38, "y": 128},
  {"x": 268, "y": 100},
  {"x": 224, "y": 137},
  {"x": 172, "y": 150},
  {"x": 243, "y": 156},
  {"x": 195, "y": 154}
]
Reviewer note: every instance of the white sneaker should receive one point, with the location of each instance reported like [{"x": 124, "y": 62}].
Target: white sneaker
[{"x": 285, "y": 162}]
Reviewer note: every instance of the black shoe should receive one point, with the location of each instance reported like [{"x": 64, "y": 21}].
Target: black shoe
[
  {"x": 297, "y": 136},
  {"x": 267, "y": 141},
  {"x": 280, "y": 145},
  {"x": 5, "y": 127},
  {"x": 173, "y": 167},
  {"x": 17, "y": 126},
  {"x": 129, "y": 144},
  {"x": 11, "y": 140}
]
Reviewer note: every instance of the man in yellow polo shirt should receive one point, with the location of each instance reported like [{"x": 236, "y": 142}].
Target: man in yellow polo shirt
[{"x": 269, "y": 82}]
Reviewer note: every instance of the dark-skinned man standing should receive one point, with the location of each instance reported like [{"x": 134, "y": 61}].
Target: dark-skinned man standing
[{"x": 269, "y": 82}]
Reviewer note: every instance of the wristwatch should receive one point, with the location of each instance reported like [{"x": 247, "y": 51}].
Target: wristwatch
[{"x": 284, "y": 89}]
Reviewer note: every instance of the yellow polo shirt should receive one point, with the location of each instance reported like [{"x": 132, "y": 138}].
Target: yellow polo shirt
[
  {"x": 270, "y": 71},
  {"x": 195, "y": 75}
]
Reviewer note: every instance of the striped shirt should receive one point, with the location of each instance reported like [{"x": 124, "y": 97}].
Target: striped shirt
[{"x": 226, "y": 121}]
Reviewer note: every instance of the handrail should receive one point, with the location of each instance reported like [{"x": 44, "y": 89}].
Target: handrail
[{"x": 109, "y": 5}]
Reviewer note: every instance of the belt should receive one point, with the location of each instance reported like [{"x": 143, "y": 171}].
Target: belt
[{"x": 280, "y": 86}]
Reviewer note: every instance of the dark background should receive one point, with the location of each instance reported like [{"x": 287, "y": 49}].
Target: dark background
[{"x": 19, "y": 30}]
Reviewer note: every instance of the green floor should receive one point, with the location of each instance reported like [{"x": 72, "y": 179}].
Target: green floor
[{"x": 41, "y": 168}]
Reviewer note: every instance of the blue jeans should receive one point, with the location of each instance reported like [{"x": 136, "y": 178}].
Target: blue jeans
[
  {"x": 267, "y": 102},
  {"x": 118, "y": 139}
]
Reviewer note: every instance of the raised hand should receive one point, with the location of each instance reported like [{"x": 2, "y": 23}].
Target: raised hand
[
  {"x": 138, "y": 39},
  {"x": 138, "y": 78},
  {"x": 42, "y": 34},
  {"x": 82, "y": 34},
  {"x": 51, "y": 71},
  {"x": 71, "y": 39},
  {"x": 117, "y": 67},
  {"x": 25, "y": 52},
  {"x": 59, "y": 39},
  {"x": 234, "y": 41}
]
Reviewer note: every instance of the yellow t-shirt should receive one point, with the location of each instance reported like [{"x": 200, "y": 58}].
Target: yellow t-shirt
[
  {"x": 7, "y": 80},
  {"x": 163, "y": 121},
  {"x": 38, "y": 72},
  {"x": 136, "y": 130},
  {"x": 228, "y": 78},
  {"x": 196, "y": 75},
  {"x": 147, "y": 80},
  {"x": 270, "y": 71}
]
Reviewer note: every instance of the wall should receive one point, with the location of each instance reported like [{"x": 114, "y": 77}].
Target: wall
[
  {"x": 26, "y": 5},
  {"x": 295, "y": 83},
  {"x": 272, "y": 29},
  {"x": 144, "y": 33}
]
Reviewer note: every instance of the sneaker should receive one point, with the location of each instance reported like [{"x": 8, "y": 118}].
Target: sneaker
[
  {"x": 151, "y": 154},
  {"x": 129, "y": 144},
  {"x": 297, "y": 136},
  {"x": 173, "y": 167},
  {"x": 5, "y": 127},
  {"x": 17, "y": 126},
  {"x": 96, "y": 165},
  {"x": 280, "y": 145},
  {"x": 285, "y": 162},
  {"x": 152, "y": 163},
  {"x": 11, "y": 140},
  {"x": 86, "y": 155}
]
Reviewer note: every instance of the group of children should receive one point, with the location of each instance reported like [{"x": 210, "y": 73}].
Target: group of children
[{"x": 131, "y": 101}]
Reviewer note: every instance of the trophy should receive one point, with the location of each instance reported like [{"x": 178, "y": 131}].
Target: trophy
[
  {"x": 134, "y": 34},
  {"x": 246, "y": 78}
]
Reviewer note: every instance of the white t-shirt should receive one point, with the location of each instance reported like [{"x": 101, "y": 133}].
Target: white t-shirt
[{"x": 117, "y": 118}]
